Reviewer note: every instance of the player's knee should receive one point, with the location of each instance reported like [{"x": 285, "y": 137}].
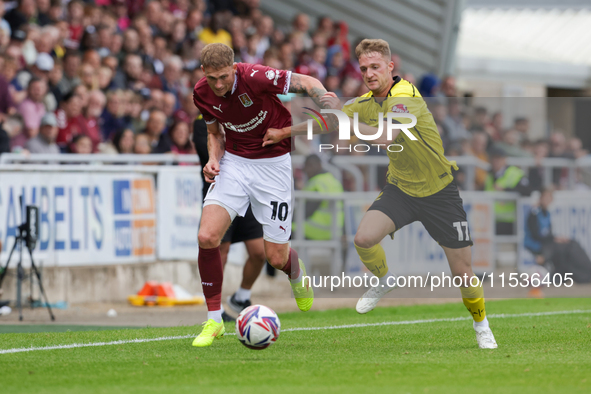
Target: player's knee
[
  {"x": 208, "y": 240},
  {"x": 277, "y": 261},
  {"x": 364, "y": 241}
]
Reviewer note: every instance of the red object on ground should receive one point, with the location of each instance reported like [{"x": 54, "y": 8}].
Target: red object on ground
[
  {"x": 165, "y": 290},
  {"x": 149, "y": 289}
]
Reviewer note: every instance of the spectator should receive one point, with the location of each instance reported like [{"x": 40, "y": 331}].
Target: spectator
[
  {"x": 560, "y": 255},
  {"x": 505, "y": 178},
  {"x": 264, "y": 31},
  {"x": 454, "y": 121},
  {"x": 214, "y": 33},
  {"x": 112, "y": 118},
  {"x": 129, "y": 77},
  {"x": 478, "y": 149},
  {"x": 180, "y": 138},
  {"x": 124, "y": 141},
  {"x": 170, "y": 78},
  {"x": 104, "y": 78},
  {"x": 44, "y": 142},
  {"x": 81, "y": 144},
  {"x": 155, "y": 130},
  {"x": 521, "y": 124},
  {"x": 142, "y": 144},
  {"x": 341, "y": 40},
  {"x": 13, "y": 126},
  {"x": 559, "y": 149},
  {"x": 168, "y": 105},
  {"x": 6, "y": 103},
  {"x": 319, "y": 216},
  {"x": 40, "y": 69},
  {"x": 88, "y": 76},
  {"x": 70, "y": 77},
  {"x": 301, "y": 25},
  {"x": 448, "y": 86},
  {"x": 70, "y": 121},
  {"x": 32, "y": 108},
  {"x": 536, "y": 174},
  {"x": 23, "y": 14},
  {"x": 92, "y": 113},
  {"x": 496, "y": 126},
  {"x": 511, "y": 146},
  {"x": 429, "y": 86},
  {"x": 76, "y": 29},
  {"x": 54, "y": 78}
]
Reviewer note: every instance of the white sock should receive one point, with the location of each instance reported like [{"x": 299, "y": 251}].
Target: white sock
[
  {"x": 481, "y": 324},
  {"x": 215, "y": 315},
  {"x": 242, "y": 295},
  {"x": 384, "y": 280}
]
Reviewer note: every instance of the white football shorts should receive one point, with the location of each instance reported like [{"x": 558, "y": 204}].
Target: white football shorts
[{"x": 265, "y": 184}]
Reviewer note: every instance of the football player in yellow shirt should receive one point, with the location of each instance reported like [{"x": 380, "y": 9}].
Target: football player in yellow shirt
[{"x": 420, "y": 182}]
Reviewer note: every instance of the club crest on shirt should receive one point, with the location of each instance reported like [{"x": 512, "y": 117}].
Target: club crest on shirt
[
  {"x": 270, "y": 74},
  {"x": 245, "y": 100},
  {"x": 400, "y": 108}
]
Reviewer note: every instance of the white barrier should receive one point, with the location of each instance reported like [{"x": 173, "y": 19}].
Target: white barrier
[{"x": 85, "y": 219}]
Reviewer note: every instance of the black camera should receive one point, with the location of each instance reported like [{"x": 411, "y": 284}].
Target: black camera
[{"x": 31, "y": 226}]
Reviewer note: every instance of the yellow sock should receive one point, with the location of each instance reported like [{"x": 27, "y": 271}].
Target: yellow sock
[
  {"x": 473, "y": 298},
  {"x": 374, "y": 259}
]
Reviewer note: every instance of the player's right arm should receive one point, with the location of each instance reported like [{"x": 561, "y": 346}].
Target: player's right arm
[{"x": 215, "y": 148}]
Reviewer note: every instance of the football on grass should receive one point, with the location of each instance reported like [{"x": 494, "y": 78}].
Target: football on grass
[{"x": 257, "y": 327}]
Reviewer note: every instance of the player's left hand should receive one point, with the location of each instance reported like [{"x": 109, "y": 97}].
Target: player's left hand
[{"x": 273, "y": 136}]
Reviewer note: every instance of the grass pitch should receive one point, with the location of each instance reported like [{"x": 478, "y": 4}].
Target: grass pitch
[{"x": 548, "y": 353}]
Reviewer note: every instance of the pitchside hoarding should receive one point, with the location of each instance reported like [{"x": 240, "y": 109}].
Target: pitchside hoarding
[{"x": 84, "y": 218}]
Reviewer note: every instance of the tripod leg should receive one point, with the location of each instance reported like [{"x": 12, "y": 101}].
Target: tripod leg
[
  {"x": 42, "y": 291},
  {"x": 19, "y": 283},
  {"x": 3, "y": 274}
]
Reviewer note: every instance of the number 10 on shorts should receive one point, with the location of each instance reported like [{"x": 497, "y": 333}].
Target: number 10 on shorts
[
  {"x": 458, "y": 226},
  {"x": 279, "y": 210}
]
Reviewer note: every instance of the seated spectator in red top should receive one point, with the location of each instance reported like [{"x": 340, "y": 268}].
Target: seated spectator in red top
[
  {"x": 180, "y": 137},
  {"x": 32, "y": 108},
  {"x": 70, "y": 120}
]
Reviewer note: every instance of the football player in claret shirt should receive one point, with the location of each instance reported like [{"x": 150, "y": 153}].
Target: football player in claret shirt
[
  {"x": 249, "y": 163},
  {"x": 420, "y": 183}
]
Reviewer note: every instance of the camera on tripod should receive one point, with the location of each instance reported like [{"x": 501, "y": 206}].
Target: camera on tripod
[{"x": 28, "y": 234}]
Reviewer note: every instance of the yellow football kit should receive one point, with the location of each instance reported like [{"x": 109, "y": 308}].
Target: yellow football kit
[{"x": 420, "y": 169}]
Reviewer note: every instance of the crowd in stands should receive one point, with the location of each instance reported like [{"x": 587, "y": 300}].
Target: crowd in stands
[{"x": 118, "y": 75}]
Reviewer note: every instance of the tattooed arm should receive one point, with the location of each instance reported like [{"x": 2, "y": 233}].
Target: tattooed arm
[{"x": 305, "y": 84}]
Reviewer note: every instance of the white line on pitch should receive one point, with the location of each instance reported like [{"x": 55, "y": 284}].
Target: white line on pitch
[{"x": 389, "y": 323}]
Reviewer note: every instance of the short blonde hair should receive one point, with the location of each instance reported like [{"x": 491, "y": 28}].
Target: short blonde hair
[
  {"x": 217, "y": 56},
  {"x": 368, "y": 46}
]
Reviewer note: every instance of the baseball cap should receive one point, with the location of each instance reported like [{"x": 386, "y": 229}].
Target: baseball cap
[
  {"x": 49, "y": 119},
  {"x": 44, "y": 62}
]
